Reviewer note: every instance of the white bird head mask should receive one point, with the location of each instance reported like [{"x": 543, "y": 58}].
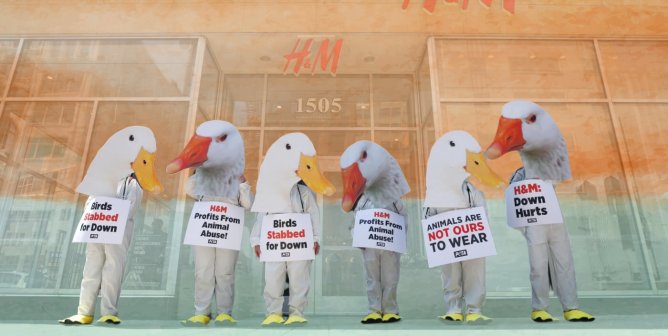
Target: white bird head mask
[
  {"x": 367, "y": 168},
  {"x": 215, "y": 144},
  {"x": 216, "y": 148},
  {"x": 526, "y": 127},
  {"x": 130, "y": 150},
  {"x": 454, "y": 157},
  {"x": 291, "y": 158}
]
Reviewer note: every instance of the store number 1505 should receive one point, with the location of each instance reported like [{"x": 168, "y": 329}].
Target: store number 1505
[{"x": 322, "y": 105}]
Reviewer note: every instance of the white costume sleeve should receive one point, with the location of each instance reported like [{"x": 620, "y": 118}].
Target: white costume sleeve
[
  {"x": 401, "y": 207},
  {"x": 245, "y": 195},
  {"x": 311, "y": 206},
  {"x": 255, "y": 233},
  {"x": 130, "y": 190}
]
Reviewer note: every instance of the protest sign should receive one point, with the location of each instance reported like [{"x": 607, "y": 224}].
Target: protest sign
[
  {"x": 286, "y": 237},
  {"x": 103, "y": 221},
  {"x": 457, "y": 235},
  {"x": 215, "y": 224},
  {"x": 381, "y": 229},
  {"x": 532, "y": 202}
]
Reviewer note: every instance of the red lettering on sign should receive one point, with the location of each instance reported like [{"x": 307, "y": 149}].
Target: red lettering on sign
[
  {"x": 378, "y": 214},
  {"x": 526, "y": 188},
  {"x": 533, "y": 188},
  {"x": 218, "y": 208}
]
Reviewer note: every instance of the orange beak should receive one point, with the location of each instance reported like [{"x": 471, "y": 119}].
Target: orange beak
[
  {"x": 508, "y": 138},
  {"x": 193, "y": 155},
  {"x": 353, "y": 186}
]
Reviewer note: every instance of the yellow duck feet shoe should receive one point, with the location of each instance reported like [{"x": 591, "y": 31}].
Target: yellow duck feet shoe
[
  {"x": 223, "y": 319},
  {"x": 541, "y": 316},
  {"x": 273, "y": 319},
  {"x": 452, "y": 317},
  {"x": 477, "y": 319},
  {"x": 196, "y": 321},
  {"x": 576, "y": 315},
  {"x": 389, "y": 318},
  {"x": 77, "y": 319},
  {"x": 295, "y": 319},
  {"x": 109, "y": 319},
  {"x": 372, "y": 318}
]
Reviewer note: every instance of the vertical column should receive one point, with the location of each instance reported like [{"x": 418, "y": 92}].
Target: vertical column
[{"x": 625, "y": 159}]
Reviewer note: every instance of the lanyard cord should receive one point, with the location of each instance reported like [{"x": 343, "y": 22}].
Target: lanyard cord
[
  {"x": 300, "y": 199},
  {"x": 125, "y": 184}
]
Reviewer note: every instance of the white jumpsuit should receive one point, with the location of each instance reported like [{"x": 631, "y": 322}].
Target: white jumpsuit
[
  {"x": 551, "y": 261},
  {"x": 214, "y": 267},
  {"x": 105, "y": 263},
  {"x": 463, "y": 281},
  {"x": 299, "y": 272},
  {"x": 381, "y": 267}
]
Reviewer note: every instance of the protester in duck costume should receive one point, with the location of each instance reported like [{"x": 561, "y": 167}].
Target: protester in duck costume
[
  {"x": 453, "y": 158},
  {"x": 289, "y": 160},
  {"x": 121, "y": 168},
  {"x": 372, "y": 179},
  {"x": 216, "y": 151},
  {"x": 526, "y": 127}
]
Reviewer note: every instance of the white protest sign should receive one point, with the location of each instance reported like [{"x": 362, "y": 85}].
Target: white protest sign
[
  {"x": 215, "y": 224},
  {"x": 103, "y": 221},
  {"x": 457, "y": 235},
  {"x": 286, "y": 237},
  {"x": 380, "y": 229},
  {"x": 532, "y": 202}
]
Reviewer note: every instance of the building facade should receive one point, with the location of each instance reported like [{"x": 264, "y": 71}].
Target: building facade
[{"x": 399, "y": 74}]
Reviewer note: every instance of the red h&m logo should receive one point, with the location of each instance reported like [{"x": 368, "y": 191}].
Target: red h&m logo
[
  {"x": 324, "y": 56},
  {"x": 430, "y": 5},
  {"x": 381, "y": 215},
  {"x": 218, "y": 208}
]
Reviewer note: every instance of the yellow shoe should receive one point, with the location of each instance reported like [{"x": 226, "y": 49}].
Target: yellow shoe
[
  {"x": 372, "y": 318},
  {"x": 196, "y": 321},
  {"x": 295, "y": 319},
  {"x": 273, "y": 319},
  {"x": 541, "y": 316},
  {"x": 77, "y": 319},
  {"x": 109, "y": 319},
  {"x": 476, "y": 318},
  {"x": 452, "y": 317},
  {"x": 223, "y": 318},
  {"x": 576, "y": 315},
  {"x": 389, "y": 318}
]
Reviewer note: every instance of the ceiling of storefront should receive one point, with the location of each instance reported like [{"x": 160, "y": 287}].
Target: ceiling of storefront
[{"x": 360, "y": 53}]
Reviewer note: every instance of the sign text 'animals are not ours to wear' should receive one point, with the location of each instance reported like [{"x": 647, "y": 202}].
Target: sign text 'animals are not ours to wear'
[
  {"x": 103, "y": 221},
  {"x": 286, "y": 237},
  {"x": 457, "y": 235},
  {"x": 215, "y": 224},
  {"x": 380, "y": 229}
]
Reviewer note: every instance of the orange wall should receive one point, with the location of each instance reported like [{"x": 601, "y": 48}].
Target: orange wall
[{"x": 532, "y": 17}]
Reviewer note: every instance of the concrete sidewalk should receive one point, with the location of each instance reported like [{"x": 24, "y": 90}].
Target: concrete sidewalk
[{"x": 609, "y": 325}]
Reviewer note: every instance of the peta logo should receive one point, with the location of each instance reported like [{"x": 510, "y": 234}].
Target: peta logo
[
  {"x": 379, "y": 214},
  {"x": 212, "y": 241},
  {"x": 460, "y": 253},
  {"x": 381, "y": 244},
  {"x": 532, "y": 220},
  {"x": 93, "y": 235},
  {"x": 285, "y": 254}
]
